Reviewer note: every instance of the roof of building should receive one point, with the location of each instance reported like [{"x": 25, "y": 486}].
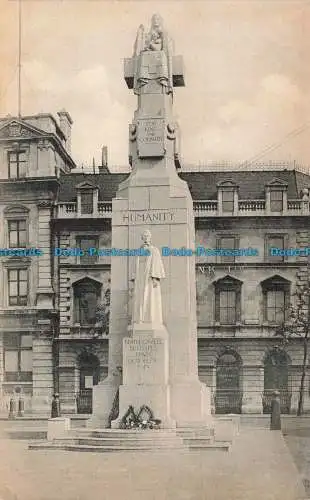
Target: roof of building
[
  {"x": 107, "y": 183},
  {"x": 203, "y": 185}
]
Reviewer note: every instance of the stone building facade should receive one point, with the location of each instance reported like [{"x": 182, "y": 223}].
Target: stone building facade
[{"x": 54, "y": 327}]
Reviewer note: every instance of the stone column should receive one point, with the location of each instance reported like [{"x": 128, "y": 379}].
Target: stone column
[
  {"x": 307, "y": 394},
  {"x": 68, "y": 378},
  {"x": 250, "y": 306},
  {"x": 2, "y": 401},
  {"x": 284, "y": 211},
  {"x": 236, "y": 202},
  {"x": 95, "y": 202},
  {"x": 253, "y": 388},
  {"x": 67, "y": 389},
  {"x": 43, "y": 383},
  {"x": 219, "y": 201},
  {"x": 295, "y": 377},
  {"x": 44, "y": 288},
  {"x": 267, "y": 201},
  {"x": 207, "y": 375}
]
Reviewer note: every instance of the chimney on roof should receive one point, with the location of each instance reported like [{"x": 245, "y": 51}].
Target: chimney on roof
[
  {"x": 104, "y": 160},
  {"x": 65, "y": 123},
  {"x": 104, "y": 156}
]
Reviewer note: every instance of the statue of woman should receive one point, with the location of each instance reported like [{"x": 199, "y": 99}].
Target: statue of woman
[
  {"x": 149, "y": 270},
  {"x": 155, "y": 37},
  {"x": 156, "y": 40}
]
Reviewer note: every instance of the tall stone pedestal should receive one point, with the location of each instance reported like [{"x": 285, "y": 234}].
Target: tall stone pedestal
[{"x": 159, "y": 370}]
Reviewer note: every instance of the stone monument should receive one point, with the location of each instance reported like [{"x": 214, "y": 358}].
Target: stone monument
[{"x": 153, "y": 343}]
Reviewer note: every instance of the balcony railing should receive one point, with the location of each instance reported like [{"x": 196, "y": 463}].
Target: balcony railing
[
  {"x": 104, "y": 209},
  {"x": 83, "y": 332},
  {"x": 66, "y": 210},
  {"x": 251, "y": 206},
  {"x": 69, "y": 210},
  {"x": 295, "y": 206},
  {"x": 207, "y": 208},
  {"x": 202, "y": 208}
]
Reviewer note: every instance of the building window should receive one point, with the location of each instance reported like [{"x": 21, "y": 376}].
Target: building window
[
  {"x": 227, "y": 201},
  {"x": 274, "y": 243},
  {"x": 87, "y": 206},
  {"x": 276, "y": 294},
  {"x": 227, "y": 307},
  {"x": 276, "y": 201},
  {"x": 227, "y": 301},
  {"x": 275, "y": 306},
  {"x": 17, "y": 358},
  {"x": 17, "y": 164},
  {"x": 86, "y": 299},
  {"x": 18, "y": 287},
  {"x": 17, "y": 233},
  {"x": 227, "y": 243},
  {"x": 85, "y": 243}
]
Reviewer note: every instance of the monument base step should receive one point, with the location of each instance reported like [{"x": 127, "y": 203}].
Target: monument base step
[
  {"x": 104, "y": 440},
  {"x": 102, "y": 448},
  {"x": 24, "y": 434}
]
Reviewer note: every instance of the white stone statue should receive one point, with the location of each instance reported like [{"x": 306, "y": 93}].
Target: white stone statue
[{"x": 149, "y": 270}]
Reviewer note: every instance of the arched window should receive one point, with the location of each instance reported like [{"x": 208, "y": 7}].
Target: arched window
[
  {"x": 89, "y": 368},
  {"x": 276, "y": 378},
  {"x": 86, "y": 298},
  {"x": 228, "y": 397}
]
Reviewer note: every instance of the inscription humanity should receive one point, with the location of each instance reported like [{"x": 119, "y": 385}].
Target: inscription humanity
[{"x": 148, "y": 217}]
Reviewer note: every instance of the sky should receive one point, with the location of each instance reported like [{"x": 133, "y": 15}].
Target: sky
[{"x": 247, "y": 74}]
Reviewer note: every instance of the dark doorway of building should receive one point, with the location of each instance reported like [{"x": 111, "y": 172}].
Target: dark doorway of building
[
  {"x": 228, "y": 396},
  {"x": 89, "y": 367},
  {"x": 276, "y": 377}
]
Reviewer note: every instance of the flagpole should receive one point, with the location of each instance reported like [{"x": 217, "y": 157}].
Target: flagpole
[{"x": 19, "y": 55}]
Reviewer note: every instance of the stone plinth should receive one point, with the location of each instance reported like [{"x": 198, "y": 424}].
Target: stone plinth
[
  {"x": 57, "y": 428},
  {"x": 226, "y": 428},
  {"x": 145, "y": 361},
  {"x": 146, "y": 374}
]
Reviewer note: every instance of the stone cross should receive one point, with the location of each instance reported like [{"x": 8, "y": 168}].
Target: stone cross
[{"x": 177, "y": 71}]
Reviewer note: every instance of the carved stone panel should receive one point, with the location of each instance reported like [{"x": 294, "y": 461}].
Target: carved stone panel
[{"x": 150, "y": 135}]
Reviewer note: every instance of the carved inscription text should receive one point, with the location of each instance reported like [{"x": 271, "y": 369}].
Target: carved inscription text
[
  {"x": 148, "y": 217},
  {"x": 142, "y": 352},
  {"x": 151, "y": 130}
]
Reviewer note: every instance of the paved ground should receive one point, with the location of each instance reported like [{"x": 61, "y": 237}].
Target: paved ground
[
  {"x": 259, "y": 467},
  {"x": 298, "y": 442}
]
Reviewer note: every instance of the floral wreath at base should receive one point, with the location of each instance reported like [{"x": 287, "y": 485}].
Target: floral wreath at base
[{"x": 132, "y": 420}]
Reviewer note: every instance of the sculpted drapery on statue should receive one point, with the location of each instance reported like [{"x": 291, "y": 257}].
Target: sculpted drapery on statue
[
  {"x": 149, "y": 270},
  {"x": 159, "y": 67}
]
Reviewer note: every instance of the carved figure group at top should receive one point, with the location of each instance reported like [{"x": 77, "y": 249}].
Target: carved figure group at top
[{"x": 156, "y": 40}]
